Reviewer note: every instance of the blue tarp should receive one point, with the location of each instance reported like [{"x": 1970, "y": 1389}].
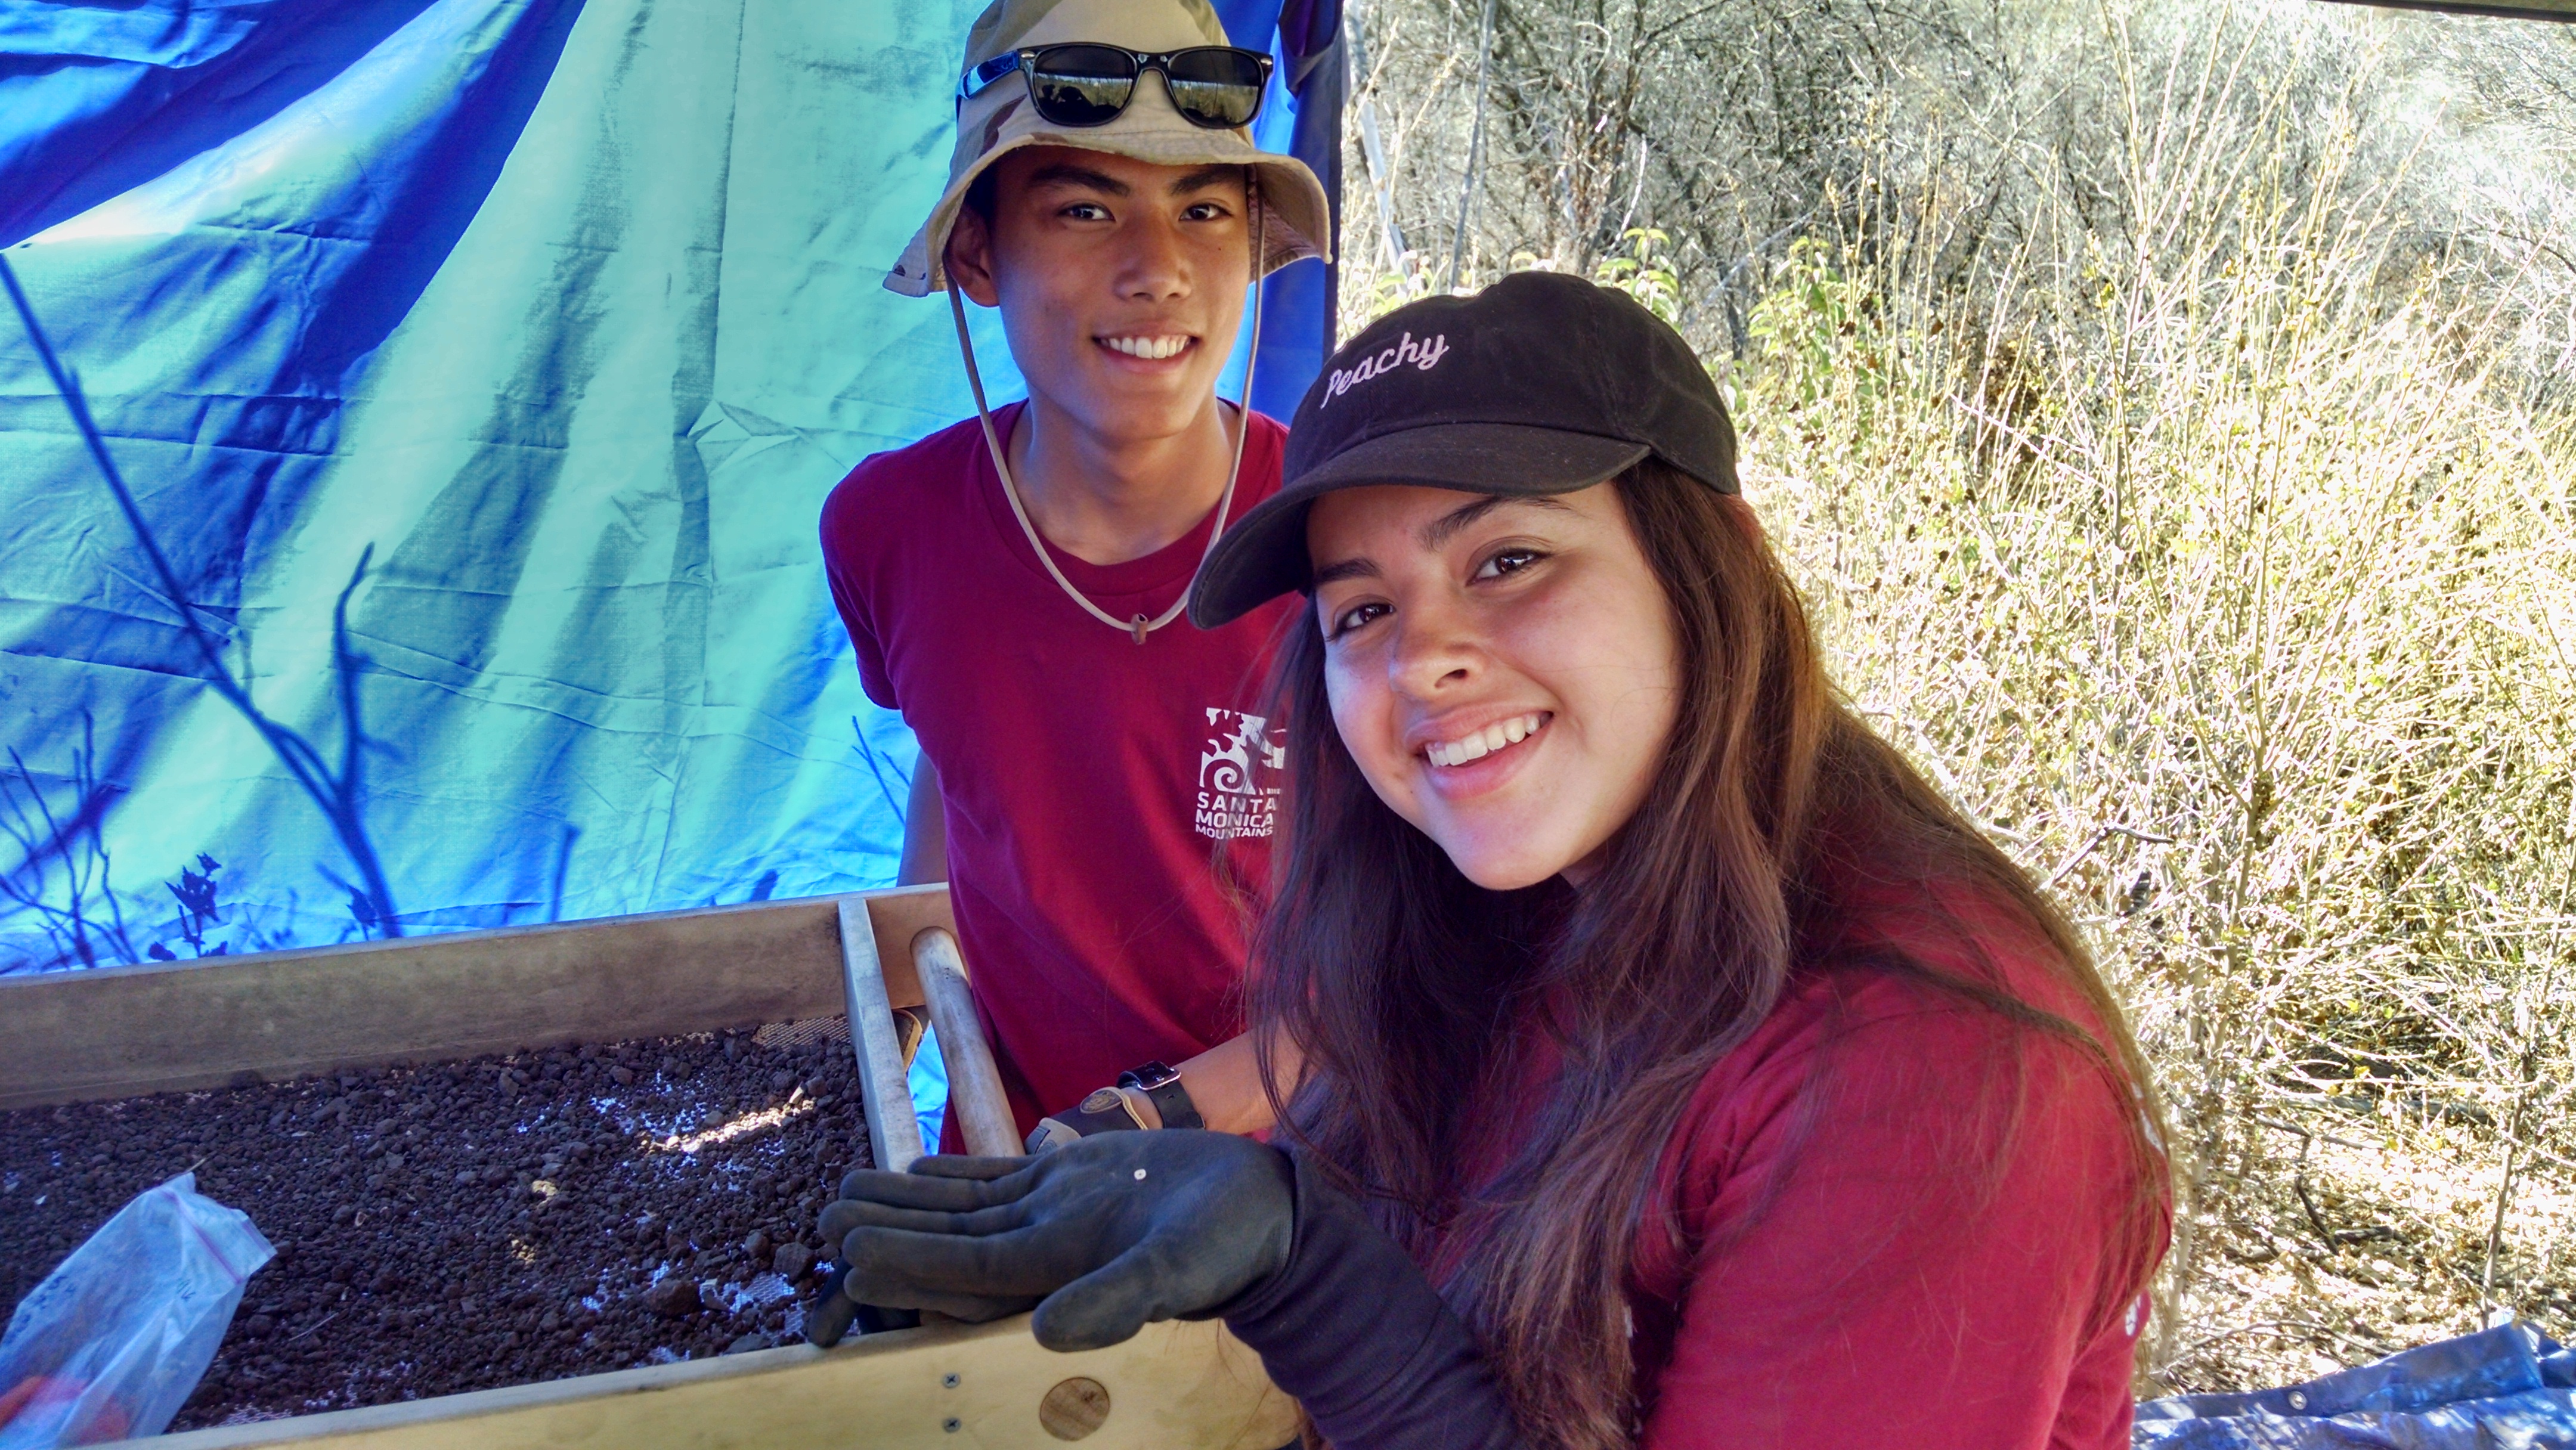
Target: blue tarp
[
  {"x": 478, "y": 368},
  {"x": 2508, "y": 1388}
]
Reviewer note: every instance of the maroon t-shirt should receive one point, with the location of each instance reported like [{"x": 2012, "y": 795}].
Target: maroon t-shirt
[{"x": 1089, "y": 783}]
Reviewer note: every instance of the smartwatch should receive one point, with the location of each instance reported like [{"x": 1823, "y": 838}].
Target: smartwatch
[{"x": 1161, "y": 1083}]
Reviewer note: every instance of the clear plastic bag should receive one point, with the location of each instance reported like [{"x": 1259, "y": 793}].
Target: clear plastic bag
[{"x": 116, "y": 1338}]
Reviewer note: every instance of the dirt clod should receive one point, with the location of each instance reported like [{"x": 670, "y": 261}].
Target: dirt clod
[
  {"x": 673, "y": 1298},
  {"x": 791, "y": 1261}
]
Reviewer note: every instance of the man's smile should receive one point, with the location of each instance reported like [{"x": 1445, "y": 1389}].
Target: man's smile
[{"x": 1150, "y": 347}]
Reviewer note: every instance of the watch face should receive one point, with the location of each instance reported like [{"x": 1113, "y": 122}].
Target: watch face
[
  {"x": 1102, "y": 1100},
  {"x": 1149, "y": 1077}
]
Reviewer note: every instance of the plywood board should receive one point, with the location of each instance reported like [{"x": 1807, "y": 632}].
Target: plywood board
[
  {"x": 1173, "y": 1387},
  {"x": 119, "y": 1031},
  {"x": 899, "y": 915}
]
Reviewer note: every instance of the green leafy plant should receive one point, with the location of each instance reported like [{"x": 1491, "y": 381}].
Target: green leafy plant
[{"x": 1645, "y": 272}]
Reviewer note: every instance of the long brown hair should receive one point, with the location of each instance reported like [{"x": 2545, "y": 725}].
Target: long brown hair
[{"x": 1396, "y": 979}]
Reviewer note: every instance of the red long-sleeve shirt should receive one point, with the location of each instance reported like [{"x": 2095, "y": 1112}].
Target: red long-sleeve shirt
[
  {"x": 1891, "y": 1234},
  {"x": 1896, "y": 1219}
]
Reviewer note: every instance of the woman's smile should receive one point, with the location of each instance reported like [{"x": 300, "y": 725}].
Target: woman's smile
[
  {"x": 1503, "y": 670},
  {"x": 1466, "y": 748}
]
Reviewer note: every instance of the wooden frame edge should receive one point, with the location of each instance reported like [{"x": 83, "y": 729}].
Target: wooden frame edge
[
  {"x": 923, "y": 1389},
  {"x": 114, "y": 1032}
]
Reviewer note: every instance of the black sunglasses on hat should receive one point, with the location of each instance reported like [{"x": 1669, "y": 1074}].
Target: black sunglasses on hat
[
  {"x": 1086, "y": 84},
  {"x": 1540, "y": 384}
]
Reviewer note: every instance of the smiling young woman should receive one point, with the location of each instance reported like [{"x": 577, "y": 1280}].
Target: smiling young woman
[
  {"x": 1503, "y": 672},
  {"x": 1678, "y": 1068},
  {"x": 1848, "y": 1082}
]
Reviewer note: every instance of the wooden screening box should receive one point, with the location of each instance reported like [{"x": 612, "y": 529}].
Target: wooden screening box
[{"x": 125, "y": 1031}]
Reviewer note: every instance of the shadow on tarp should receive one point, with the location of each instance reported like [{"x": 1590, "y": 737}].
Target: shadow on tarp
[
  {"x": 104, "y": 97},
  {"x": 104, "y": 100},
  {"x": 2510, "y": 1388}
]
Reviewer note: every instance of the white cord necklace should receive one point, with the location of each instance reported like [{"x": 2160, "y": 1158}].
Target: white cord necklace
[{"x": 1139, "y": 626}]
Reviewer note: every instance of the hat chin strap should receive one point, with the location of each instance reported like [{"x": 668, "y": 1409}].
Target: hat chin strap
[{"x": 1139, "y": 626}]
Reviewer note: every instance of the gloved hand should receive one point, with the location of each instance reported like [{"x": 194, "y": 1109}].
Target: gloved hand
[
  {"x": 833, "y": 1313},
  {"x": 1102, "y": 1236}
]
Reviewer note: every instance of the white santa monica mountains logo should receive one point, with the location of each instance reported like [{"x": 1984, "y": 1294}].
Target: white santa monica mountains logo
[
  {"x": 1239, "y": 773},
  {"x": 1424, "y": 355}
]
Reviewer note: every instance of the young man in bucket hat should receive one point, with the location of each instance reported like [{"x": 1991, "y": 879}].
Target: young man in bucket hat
[{"x": 1010, "y": 584}]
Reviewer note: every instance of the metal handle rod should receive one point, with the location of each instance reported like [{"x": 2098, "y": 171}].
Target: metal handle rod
[{"x": 975, "y": 1094}]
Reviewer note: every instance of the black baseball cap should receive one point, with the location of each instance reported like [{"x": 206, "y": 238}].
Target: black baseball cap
[{"x": 1540, "y": 384}]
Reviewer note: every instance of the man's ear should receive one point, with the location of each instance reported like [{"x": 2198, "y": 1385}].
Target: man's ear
[{"x": 970, "y": 258}]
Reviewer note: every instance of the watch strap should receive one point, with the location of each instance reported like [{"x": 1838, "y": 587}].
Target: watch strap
[{"x": 1162, "y": 1084}]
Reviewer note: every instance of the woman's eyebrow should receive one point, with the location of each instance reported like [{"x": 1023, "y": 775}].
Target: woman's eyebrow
[
  {"x": 1348, "y": 569},
  {"x": 1444, "y": 528}
]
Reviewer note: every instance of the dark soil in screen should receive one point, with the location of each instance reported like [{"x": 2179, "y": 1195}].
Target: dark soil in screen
[{"x": 461, "y": 1227}]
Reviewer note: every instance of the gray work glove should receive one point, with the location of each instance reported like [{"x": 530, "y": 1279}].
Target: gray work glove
[{"x": 1102, "y": 1236}]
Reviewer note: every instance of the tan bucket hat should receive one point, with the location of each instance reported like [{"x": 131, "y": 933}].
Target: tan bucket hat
[{"x": 999, "y": 120}]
